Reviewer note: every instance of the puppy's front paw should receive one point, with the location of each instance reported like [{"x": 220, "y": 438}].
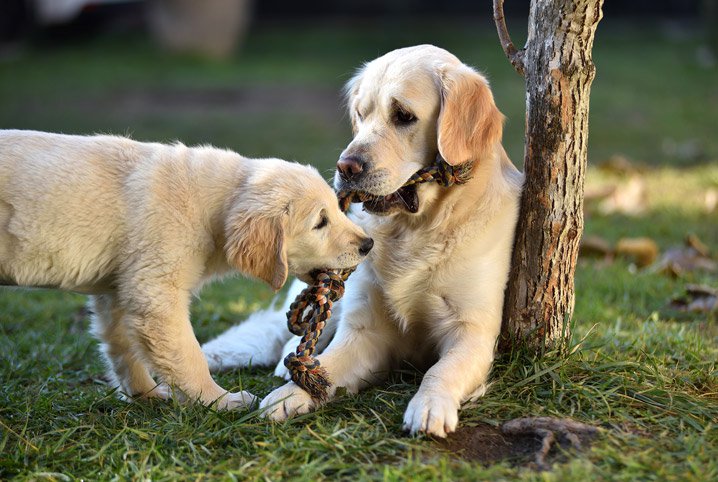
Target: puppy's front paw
[
  {"x": 431, "y": 413},
  {"x": 161, "y": 391},
  {"x": 236, "y": 401},
  {"x": 285, "y": 402}
]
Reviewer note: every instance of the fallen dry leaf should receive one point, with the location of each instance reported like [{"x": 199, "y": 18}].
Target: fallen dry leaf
[
  {"x": 627, "y": 198},
  {"x": 697, "y": 299},
  {"x": 627, "y": 195},
  {"x": 693, "y": 256},
  {"x": 643, "y": 251},
  {"x": 694, "y": 242},
  {"x": 595, "y": 247},
  {"x": 618, "y": 164},
  {"x": 592, "y": 194}
]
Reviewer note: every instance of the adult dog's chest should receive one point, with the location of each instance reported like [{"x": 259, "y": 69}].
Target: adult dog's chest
[{"x": 410, "y": 266}]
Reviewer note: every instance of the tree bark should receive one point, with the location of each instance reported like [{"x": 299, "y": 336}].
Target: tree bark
[{"x": 558, "y": 68}]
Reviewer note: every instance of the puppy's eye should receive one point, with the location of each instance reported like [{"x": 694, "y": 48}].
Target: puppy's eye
[
  {"x": 322, "y": 222},
  {"x": 359, "y": 116},
  {"x": 403, "y": 118}
]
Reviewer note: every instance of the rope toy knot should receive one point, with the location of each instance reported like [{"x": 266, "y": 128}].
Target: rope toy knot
[
  {"x": 442, "y": 173},
  {"x": 307, "y": 318},
  {"x": 308, "y": 314}
]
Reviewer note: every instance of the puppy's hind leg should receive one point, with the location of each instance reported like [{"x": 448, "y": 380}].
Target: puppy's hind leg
[
  {"x": 167, "y": 340},
  {"x": 127, "y": 371}
]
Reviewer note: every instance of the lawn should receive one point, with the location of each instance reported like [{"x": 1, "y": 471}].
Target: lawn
[{"x": 641, "y": 372}]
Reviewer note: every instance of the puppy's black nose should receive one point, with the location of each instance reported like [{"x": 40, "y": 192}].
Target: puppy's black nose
[
  {"x": 349, "y": 166},
  {"x": 366, "y": 246}
]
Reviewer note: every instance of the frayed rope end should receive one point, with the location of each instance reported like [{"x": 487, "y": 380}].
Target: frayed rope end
[{"x": 315, "y": 382}]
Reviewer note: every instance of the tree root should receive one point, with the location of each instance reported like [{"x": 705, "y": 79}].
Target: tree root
[{"x": 547, "y": 428}]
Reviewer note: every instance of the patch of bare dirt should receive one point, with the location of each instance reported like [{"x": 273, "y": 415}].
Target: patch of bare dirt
[{"x": 488, "y": 445}]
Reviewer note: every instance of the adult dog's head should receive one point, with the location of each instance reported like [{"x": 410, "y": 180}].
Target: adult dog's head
[
  {"x": 406, "y": 107},
  {"x": 285, "y": 220}
]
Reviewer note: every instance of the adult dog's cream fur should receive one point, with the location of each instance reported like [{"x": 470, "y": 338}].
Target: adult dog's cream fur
[
  {"x": 431, "y": 292},
  {"x": 142, "y": 226}
]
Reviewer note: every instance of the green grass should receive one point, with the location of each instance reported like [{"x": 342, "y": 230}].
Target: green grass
[{"x": 647, "y": 378}]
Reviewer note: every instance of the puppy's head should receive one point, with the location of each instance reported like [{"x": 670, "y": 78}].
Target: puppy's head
[
  {"x": 286, "y": 220},
  {"x": 406, "y": 107}
]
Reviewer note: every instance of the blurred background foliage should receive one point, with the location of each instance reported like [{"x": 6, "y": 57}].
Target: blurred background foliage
[
  {"x": 103, "y": 67},
  {"x": 277, "y": 90}
]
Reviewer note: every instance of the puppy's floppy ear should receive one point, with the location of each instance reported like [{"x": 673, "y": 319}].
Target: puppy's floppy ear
[
  {"x": 255, "y": 245},
  {"x": 470, "y": 124}
]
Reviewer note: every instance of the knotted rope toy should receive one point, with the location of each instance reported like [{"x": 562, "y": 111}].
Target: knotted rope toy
[
  {"x": 441, "y": 172},
  {"x": 328, "y": 287},
  {"x": 308, "y": 314}
]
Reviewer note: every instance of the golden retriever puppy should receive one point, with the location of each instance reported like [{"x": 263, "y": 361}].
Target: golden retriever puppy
[
  {"x": 431, "y": 291},
  {"x": 141, "y": 226}
]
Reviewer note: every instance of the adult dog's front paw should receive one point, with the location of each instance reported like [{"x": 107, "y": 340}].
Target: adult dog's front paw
[
  {"x": 161, "y": 391},
  {"x": 285, "y": 402},
  {"x": 431, "y": 413}
]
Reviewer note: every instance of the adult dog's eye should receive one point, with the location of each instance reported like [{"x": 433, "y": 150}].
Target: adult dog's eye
[
  {"x": 322, "y": 222},
  {"x": 403, "y": 118}
]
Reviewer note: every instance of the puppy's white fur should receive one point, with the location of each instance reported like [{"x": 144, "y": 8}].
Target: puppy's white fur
[
  {"x": 142, "y": 226},
  {"x": 431, "y": 292}
]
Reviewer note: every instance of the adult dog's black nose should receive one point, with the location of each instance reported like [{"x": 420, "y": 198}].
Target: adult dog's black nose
[
  {"x": 350, "y": 166},
  {"x": 366, "y": 246}
]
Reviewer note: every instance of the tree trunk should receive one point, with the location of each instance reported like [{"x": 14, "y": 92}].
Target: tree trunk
[{"x": 558, "y": 68}]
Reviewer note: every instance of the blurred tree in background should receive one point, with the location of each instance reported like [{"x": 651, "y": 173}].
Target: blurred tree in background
[{"x": 213, "y": 28}]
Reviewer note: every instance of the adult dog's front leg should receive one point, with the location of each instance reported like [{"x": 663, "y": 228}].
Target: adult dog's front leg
[
  {"x": 164, "y": 331},
  {"x": 463, "y": 368},
  {"x": 355, "y": 358},
  {"x": 360, "y": 354}
]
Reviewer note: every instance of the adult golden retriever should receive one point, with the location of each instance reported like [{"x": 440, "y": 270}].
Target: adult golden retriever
[
  {"x": 431, "y": 292},
  {"x": 141, "y": 226}
]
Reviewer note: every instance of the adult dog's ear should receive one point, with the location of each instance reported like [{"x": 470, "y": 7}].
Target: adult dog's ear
[
  {"x": 470, "y": 124},
  {"x": 255, "y": 245},
  {"x": 351, "y": 89}
]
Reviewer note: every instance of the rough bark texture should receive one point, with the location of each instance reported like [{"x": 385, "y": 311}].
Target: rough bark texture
[{"x": 559, "y": 70}]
